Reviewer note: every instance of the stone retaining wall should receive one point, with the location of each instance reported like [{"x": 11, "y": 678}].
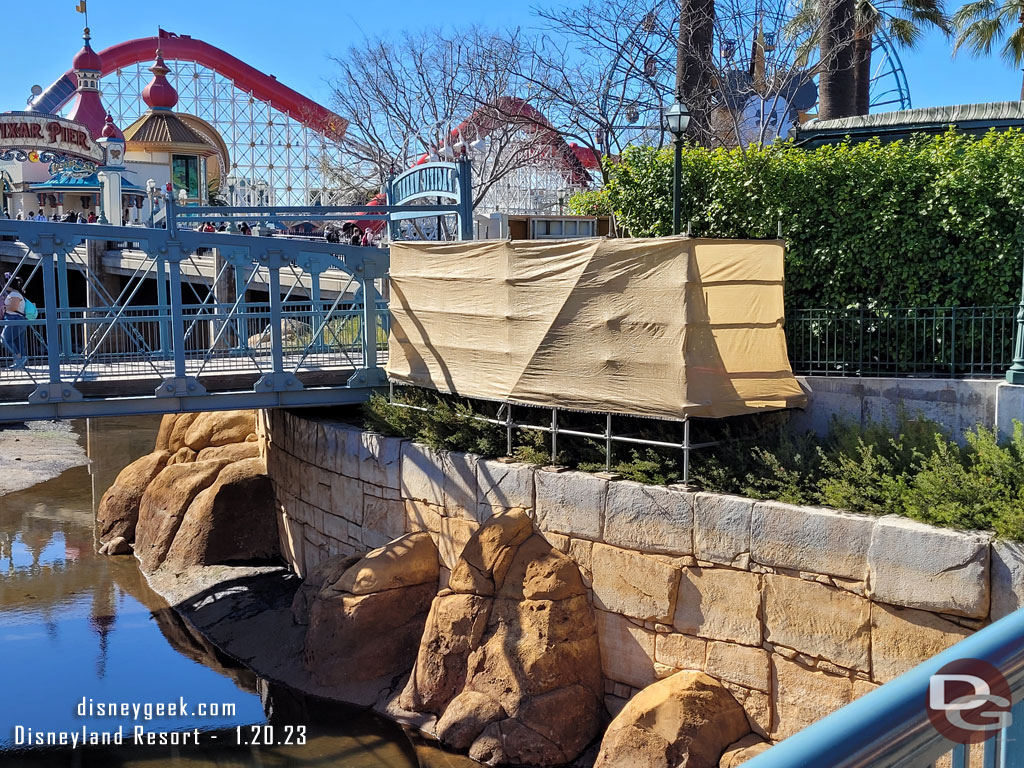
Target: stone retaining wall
[{"x": 798, "y": 610}]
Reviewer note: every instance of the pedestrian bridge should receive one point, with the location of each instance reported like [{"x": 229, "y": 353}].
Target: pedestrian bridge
[{"x": 193, "y": 321}]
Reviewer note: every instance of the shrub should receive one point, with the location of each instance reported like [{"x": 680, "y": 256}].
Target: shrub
[
  {"x": 933, "y": 221},
  {"x": 911, "y": 468}
]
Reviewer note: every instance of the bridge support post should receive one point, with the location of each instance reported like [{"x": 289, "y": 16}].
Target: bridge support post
[
  {"x": 161, "y": 300},
  {"x": 180, "y": 384},
  {"x": 224, "y": 296},
  {"x": 54, "y": 391},
  {"x": 63, "y": 303},
  {"x": 102, "y": 291},
  {"x": 278, "y": 380},
  {"x": 371, "y": 374}
]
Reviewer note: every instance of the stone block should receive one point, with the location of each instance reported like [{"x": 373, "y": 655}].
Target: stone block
[
  {"x": 572, "y": 503},
  {"x": 582, "y": 552},
  {"x": 322, "y": 493},
  {"x": 919, "y": 566},
  {"x": 1007, "y": 577},
  {"x": 292, "y": 536},
  {"x": 649, "y": 518},
  {"x": 719, "y": 604},
  {"x": 556, "y": 540},
  {"x": 721, "y": 528},
  {"x": 384, "y": 517},
  {"x": 335, "y": 526},
  {"x": 422, "y": 476},
  {"x": 627, "y": 650},
  {"x": 455, "y": 533},
  {"x": 379, "y": 459},
  {"x": 349, "y": 448},
  {"x": 901, "y": 638},
  {"x": 347, "y": 498},
  {"x": 626, "y": 582},
  {"x": 504, "y": 484},
  {"x": 420, "y": 516},
  {"x": 460, "y": 491},
  {"x": 804, "y": 696},
  {"x": 680, "y": 651},
  {"x": 756, "y": 704},
  {"x": 818, "y": 620},
  {"x": 810, "y": 539},
  {"x": 739, "y": 664}
]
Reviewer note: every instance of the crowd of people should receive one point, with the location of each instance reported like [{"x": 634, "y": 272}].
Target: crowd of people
[{"x": 68, "y": 217}]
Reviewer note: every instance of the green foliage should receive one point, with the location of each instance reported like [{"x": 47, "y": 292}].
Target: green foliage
[
  {"x": 590, "y": 203},
  {"x": 441, "y": 421},
  {"x": 933, "y": 221},
  {"x": 910, "y": 468}
]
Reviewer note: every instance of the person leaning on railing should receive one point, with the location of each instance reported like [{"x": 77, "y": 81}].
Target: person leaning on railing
[{"x": 13, "y": 334}]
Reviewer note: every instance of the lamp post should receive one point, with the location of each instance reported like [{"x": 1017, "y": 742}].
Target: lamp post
[
  {"x": 1015, "y": 374},
  {"x": 677, "y": 120}
]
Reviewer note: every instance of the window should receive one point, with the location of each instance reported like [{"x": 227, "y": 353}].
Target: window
[
  {"x": 558, "y": 228},
  {"x": 185, "y": 174}
]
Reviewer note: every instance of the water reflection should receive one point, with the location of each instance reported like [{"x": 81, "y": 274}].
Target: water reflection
[{"x": 78, "y": 626}]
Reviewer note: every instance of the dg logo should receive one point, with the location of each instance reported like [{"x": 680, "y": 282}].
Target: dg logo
[{"x": 969, "y": 701}]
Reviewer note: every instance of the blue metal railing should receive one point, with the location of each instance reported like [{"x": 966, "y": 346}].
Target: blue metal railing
[
  {"x": 318, "y": 337},
  {"x": 890, "y": 727}
]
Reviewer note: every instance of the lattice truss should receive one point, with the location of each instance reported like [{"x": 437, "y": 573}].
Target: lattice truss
[{"x": 269, "y": 150}]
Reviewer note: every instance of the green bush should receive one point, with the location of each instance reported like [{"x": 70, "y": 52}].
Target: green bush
[
  {"x": 910, "y": 468},
  {"x": 933, "y": 221}
]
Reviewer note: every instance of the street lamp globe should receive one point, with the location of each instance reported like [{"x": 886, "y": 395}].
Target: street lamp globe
[{"x": 677, "y": 118}]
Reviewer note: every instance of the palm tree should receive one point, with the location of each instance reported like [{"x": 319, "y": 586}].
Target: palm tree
[
  {"x": 844, "y": 69},
  {"x": 904, "y": 22},
  {"x": 982, "y": 24},
  {"x": 837, "y": 77}
]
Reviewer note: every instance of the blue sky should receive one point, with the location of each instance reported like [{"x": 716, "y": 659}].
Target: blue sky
[{"x": 294, "y": 39}]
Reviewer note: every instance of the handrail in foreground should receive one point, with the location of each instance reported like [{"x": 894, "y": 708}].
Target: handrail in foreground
[{"x": 890, "y": 725}]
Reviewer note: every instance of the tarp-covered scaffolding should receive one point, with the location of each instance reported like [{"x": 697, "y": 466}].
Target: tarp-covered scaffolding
[{"x": 666, "y": 327}]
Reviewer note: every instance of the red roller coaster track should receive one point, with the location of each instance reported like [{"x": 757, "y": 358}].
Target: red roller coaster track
[{"x": 183, "y": 47}]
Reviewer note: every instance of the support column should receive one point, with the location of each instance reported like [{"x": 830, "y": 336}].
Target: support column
[
  {"x": 224, "y": 295},
  {"x": 102, "y": 289}
]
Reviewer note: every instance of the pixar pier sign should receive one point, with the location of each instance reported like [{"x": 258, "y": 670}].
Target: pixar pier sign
[{"x": 22, "y": 134}]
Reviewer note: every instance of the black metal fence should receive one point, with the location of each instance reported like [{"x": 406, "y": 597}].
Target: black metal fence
[{"x": 936, "y": 342}]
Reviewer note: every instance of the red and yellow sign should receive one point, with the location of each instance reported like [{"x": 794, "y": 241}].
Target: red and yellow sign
[{"x": 46, "y": 133}]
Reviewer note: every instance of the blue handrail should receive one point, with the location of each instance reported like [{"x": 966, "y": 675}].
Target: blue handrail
[{"x": 890, "y": 725}]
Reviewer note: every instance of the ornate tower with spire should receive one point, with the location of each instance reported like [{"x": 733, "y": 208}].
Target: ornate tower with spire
[
  {"x": 88, "y": 106},
  {"x": 163, "y": 136}
]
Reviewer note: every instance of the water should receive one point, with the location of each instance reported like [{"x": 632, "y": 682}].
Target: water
[{"x": 80, "y": 629}]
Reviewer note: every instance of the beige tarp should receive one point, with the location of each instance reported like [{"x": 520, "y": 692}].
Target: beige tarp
[{"x": 662, "y": 327}]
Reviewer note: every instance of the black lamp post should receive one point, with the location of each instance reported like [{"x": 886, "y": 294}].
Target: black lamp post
[
  {"x": 677, "y": 120},
  {"x": 1015, "y": 374}
]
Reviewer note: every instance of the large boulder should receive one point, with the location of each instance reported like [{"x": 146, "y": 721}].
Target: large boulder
[
  {"x": 233, "y": 520},
  {"x": 329, "y": 570},
  {"x": 365, "y": 625},
  {"x": 216, "y": 428},
  {"x": 686, "y": 720},
  {"x": 747, "y": 748},
  {"x": 164, "y": 505},
  {"x": 118, "y": 511},
  {"x": 175, "y": 427},
  {"x": 509, "y": 661},
  {"x": 231, "y": 452}
]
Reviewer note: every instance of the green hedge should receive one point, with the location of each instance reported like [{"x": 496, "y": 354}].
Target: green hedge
[{"x": 934, "y": 221}]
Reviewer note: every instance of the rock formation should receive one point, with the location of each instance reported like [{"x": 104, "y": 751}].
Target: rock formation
[
  {"x": 201, "y": 498},
  {"x": 365, "y": 622},
  {"x": 686, "y": 720},
  {"x": 509, "y": 661}
]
